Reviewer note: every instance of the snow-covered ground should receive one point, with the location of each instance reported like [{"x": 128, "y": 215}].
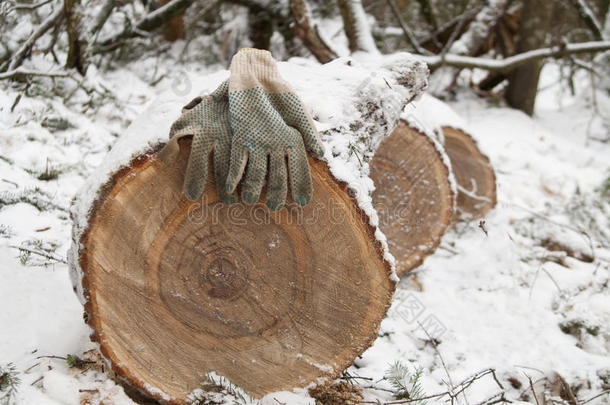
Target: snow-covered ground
[{"x": 529, "y": 298}]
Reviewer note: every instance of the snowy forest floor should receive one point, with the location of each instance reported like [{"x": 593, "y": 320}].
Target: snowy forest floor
[{"x": 529, "y": 298}]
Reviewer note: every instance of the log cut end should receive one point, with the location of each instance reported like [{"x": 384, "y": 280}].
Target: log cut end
[
  {"x": 271, "y": 301},
  {"x": 473, "y": 172},
  {"x": 413, "y": 195}
]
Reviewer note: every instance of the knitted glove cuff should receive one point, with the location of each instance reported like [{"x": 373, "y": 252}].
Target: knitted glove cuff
[{"x": 251, "y": 67}]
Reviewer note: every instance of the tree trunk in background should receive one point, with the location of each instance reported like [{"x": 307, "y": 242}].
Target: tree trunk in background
[
  {"x": 533, "y": 30},
  {"x": 356, "y": 27},
  {"x": 76, "y": 44},
  {"x": 174, "y": 28},
  {"x": 260, "y": 28},
  {"x": 427, "y": 10},
  {"x": 307, "y": 35}
]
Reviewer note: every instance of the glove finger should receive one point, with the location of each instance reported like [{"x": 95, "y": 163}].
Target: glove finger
[
  {"x": 278, "y": 182},
  {"x": 197, "y": 167},
  {"x": 305, "y": 125},
  {"x": 295, "y": 114},
  {"x": 239, "y": 157},
  {"x": 300, "y": 178},
  {"x": 222, "y": 154},
  {"x": 255, "y": 177}
]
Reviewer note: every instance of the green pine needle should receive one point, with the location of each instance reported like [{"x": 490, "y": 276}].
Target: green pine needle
[
  {"x": 406, "y": 384},
  {"x": 9, "y": 381}
]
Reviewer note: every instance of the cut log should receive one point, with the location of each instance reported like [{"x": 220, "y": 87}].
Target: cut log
[
  {"x": 272, "y": 301},
  {"x": 475, "y": 176},
  {"x": 413, "y": 195}
]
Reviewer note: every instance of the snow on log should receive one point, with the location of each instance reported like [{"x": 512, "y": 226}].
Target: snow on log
[
  {"x": 413, "y": 195},
  {"x": 174, "y": 289},
  {"x": 474, "y": 175}
]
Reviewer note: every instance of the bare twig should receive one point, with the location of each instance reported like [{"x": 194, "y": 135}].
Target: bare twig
[
  {"x": 40, "y": 253},
  {"x": 588, "y": 17},
  {"x": 533, "y": 390},
  {"x": 458, "y": 29},
  {"x": 53, "y": 19},
  {"x": 595, "y": 397},
  {"x": 100, "y": 19},
  {"x": 406, "y": 30}
]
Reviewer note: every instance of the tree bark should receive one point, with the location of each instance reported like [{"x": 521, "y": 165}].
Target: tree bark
[
  {"x": 307, "y": 35},
  {"x": 356, "y": 27},
  {"x": 77, "y": 44},
  {"x": 533, "y": 29},
  {"x": 260, "y": 28},
  {"x": 173, "y": 30}
]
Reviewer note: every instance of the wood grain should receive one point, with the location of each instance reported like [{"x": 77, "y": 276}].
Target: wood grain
[
  {"x": 474, "y": 174},
  {"x": 272, "y": 301},
  {"x": 413, "y": 195}
]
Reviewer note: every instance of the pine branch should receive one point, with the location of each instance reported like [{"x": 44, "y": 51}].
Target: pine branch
[{"x": 9, "y": 381}]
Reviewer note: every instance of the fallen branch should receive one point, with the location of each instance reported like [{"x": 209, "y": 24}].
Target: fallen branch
[
  {"x": 22, "y": 52},
  {"x": 310, "y": 38},
  {"x": 20, "y": 6},
  {"x": 507, "y": 64},
  {"x": 150, "y": 22},
  {"x": 26, "y": 72},
  {"x": 356, "y": 28}
]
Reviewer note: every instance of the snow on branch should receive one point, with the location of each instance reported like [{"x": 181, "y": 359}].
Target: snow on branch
[
  {"x": 588, "y": 17},
  {"x": 512, "y": 62},
  {"x": 310, "y": 38},
  {"x": 356, "y": 26},
  {"x": 25, "y": 72},
  {"x": 151, "y": 21},
  {"x": 53, "y": 19}
]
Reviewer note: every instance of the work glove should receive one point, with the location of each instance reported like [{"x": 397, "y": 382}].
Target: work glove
[
  {"x": 206, "y": 119},
  {"x": 271, "y": 132}
]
